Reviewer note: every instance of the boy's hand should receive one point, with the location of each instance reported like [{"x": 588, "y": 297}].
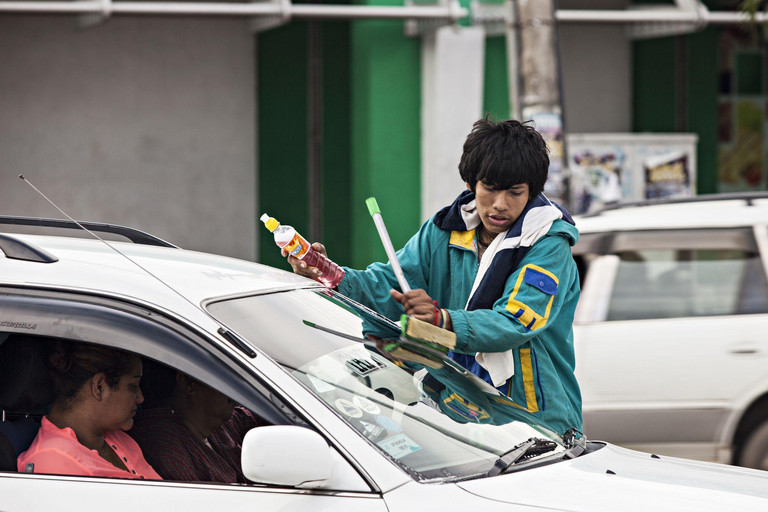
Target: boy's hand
[
  {"x": 421, "y": 306},
  {"x": 416, "y": 304},
  {"x": 301, "y": 268}
]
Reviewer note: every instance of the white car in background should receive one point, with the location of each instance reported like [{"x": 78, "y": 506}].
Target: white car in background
[
  {"x": 347, "y": 428},
  {"x": 671, "y": 330}
]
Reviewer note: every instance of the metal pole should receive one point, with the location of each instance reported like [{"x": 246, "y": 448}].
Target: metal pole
[
  {"x": 657, "y": 15},
  {"x": 512, "y": 32},
  {"x": 541, "y": 98},
  {"x": 450, "y": 12}
]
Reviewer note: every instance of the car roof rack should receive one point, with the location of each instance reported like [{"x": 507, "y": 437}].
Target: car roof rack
[
  {"x": 134, "y": 235},
  {"x": 749, "y": 197}
]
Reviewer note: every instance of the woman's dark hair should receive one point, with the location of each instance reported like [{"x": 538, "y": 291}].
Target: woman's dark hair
[
  {"x": 72, "y": 364},
  {"x": 504, "y": 154}
]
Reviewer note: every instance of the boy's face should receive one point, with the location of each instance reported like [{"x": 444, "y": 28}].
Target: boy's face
[{"x": 499, "y": 209}]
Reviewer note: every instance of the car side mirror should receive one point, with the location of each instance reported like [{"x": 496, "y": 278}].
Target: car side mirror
[{"x": 286, "y": 455}]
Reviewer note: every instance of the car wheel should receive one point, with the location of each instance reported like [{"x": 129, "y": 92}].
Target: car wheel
[{"x": 754, "y": 451}]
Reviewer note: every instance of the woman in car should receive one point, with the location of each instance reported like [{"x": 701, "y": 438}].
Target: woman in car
[{"x": 97, "y": 394}]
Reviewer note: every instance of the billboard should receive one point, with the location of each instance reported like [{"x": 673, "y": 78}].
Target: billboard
[{"x": 607, "y": 168}]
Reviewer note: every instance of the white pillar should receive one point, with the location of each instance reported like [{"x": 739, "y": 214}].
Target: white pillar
[{"x": 453, "y": 61}]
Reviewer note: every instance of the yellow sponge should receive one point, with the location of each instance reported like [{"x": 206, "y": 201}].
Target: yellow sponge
[
  {"x": 420, "y": 331},
  {"x": 400, "y": 352}
]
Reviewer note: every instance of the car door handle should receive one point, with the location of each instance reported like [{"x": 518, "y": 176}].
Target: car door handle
[{"x": 744, "y": 350}]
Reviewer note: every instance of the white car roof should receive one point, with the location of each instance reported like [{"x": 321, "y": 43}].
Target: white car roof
[
  {"x": 703, "y": 212},
  {"x": 167, "y": 277}
]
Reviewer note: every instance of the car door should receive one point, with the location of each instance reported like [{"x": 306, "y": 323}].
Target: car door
[
  {"x": 25, "y": 493},
  {"x": 670, "y": 336},
  {"x": 51, "y": 316}
]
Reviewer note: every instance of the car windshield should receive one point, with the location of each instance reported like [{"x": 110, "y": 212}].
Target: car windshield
[{"x": 430, "y": 415}]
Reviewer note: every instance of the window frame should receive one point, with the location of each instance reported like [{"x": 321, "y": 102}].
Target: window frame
[{"x": 598, "y": 254}]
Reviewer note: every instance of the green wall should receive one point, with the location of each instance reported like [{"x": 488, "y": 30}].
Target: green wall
[
  {"x": 386, "y": 134},
  {"x": 371, "y": 135},
  {"x": 337, "y": 190},
  {"x": 654, "y": 94},
  {"x": 496, "y": 81},
  {"x": 370, "y": 142},
  {"x": 702, "y": 112},
  {"x": 283, "y": 135},
  {"x": 675, "y": 90}
]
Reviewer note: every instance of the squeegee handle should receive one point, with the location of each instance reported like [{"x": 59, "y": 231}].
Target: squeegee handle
[{"x": 373, "y": 208}]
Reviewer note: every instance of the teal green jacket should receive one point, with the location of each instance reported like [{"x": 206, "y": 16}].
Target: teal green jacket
[{"x": 535, "y": 321}]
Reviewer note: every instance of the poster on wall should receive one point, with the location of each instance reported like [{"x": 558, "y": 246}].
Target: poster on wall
[
  {"x": 667, "y": 175},
  {"x": 613, "y": 168},
  {"x": 599, "y": 177}
]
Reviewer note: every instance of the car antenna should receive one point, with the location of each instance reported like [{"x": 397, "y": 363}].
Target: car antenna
[{"x": 224, "y": 331}]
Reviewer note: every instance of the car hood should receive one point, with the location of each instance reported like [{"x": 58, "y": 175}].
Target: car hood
[{"x": 614, "y": 478}]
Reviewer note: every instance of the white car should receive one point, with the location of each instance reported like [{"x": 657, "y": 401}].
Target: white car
[
  {"x": 671, "y": 330},
  {"x": 347, "y": 428}
]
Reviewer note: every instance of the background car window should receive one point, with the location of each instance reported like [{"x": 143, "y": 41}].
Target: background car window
[{"x": 671, "y": 283}]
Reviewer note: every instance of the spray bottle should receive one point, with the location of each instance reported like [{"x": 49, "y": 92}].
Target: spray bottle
[{"x": 288, "y": 239}]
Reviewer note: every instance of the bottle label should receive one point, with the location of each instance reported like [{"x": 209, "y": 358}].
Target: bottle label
[{"x": 297, "y": 247}]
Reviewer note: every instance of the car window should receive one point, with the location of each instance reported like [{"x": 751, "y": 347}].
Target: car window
[
  {"x": 680, "y": 273},
  {"x": 27, "y": 393},
  {"x": 668, "y": 283},
  {"x": 165, "y": 347}
]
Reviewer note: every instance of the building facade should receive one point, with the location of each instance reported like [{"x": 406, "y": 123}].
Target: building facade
[{"x": 192, "y": 126}]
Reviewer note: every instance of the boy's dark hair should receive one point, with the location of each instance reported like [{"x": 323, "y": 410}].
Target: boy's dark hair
[{"x": 504, "y": 154}]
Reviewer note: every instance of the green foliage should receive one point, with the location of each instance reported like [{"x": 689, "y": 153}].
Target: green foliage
[{"x": 751, "y": 7}]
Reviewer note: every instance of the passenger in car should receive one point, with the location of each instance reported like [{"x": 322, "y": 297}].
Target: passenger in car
[
  {"x": 495, "y": 267},
  {"x": 97, "y": 395},
  {"x": 196, "y": 434}
]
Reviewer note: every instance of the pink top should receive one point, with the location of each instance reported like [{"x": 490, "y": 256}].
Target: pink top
[{"x": 57, "y": 450}]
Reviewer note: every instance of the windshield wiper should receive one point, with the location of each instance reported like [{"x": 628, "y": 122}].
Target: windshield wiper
[
  {"x": 527, "y": 449},
  {"x": 575, "y": 443},
  {"x": 333, "y": 331}
]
